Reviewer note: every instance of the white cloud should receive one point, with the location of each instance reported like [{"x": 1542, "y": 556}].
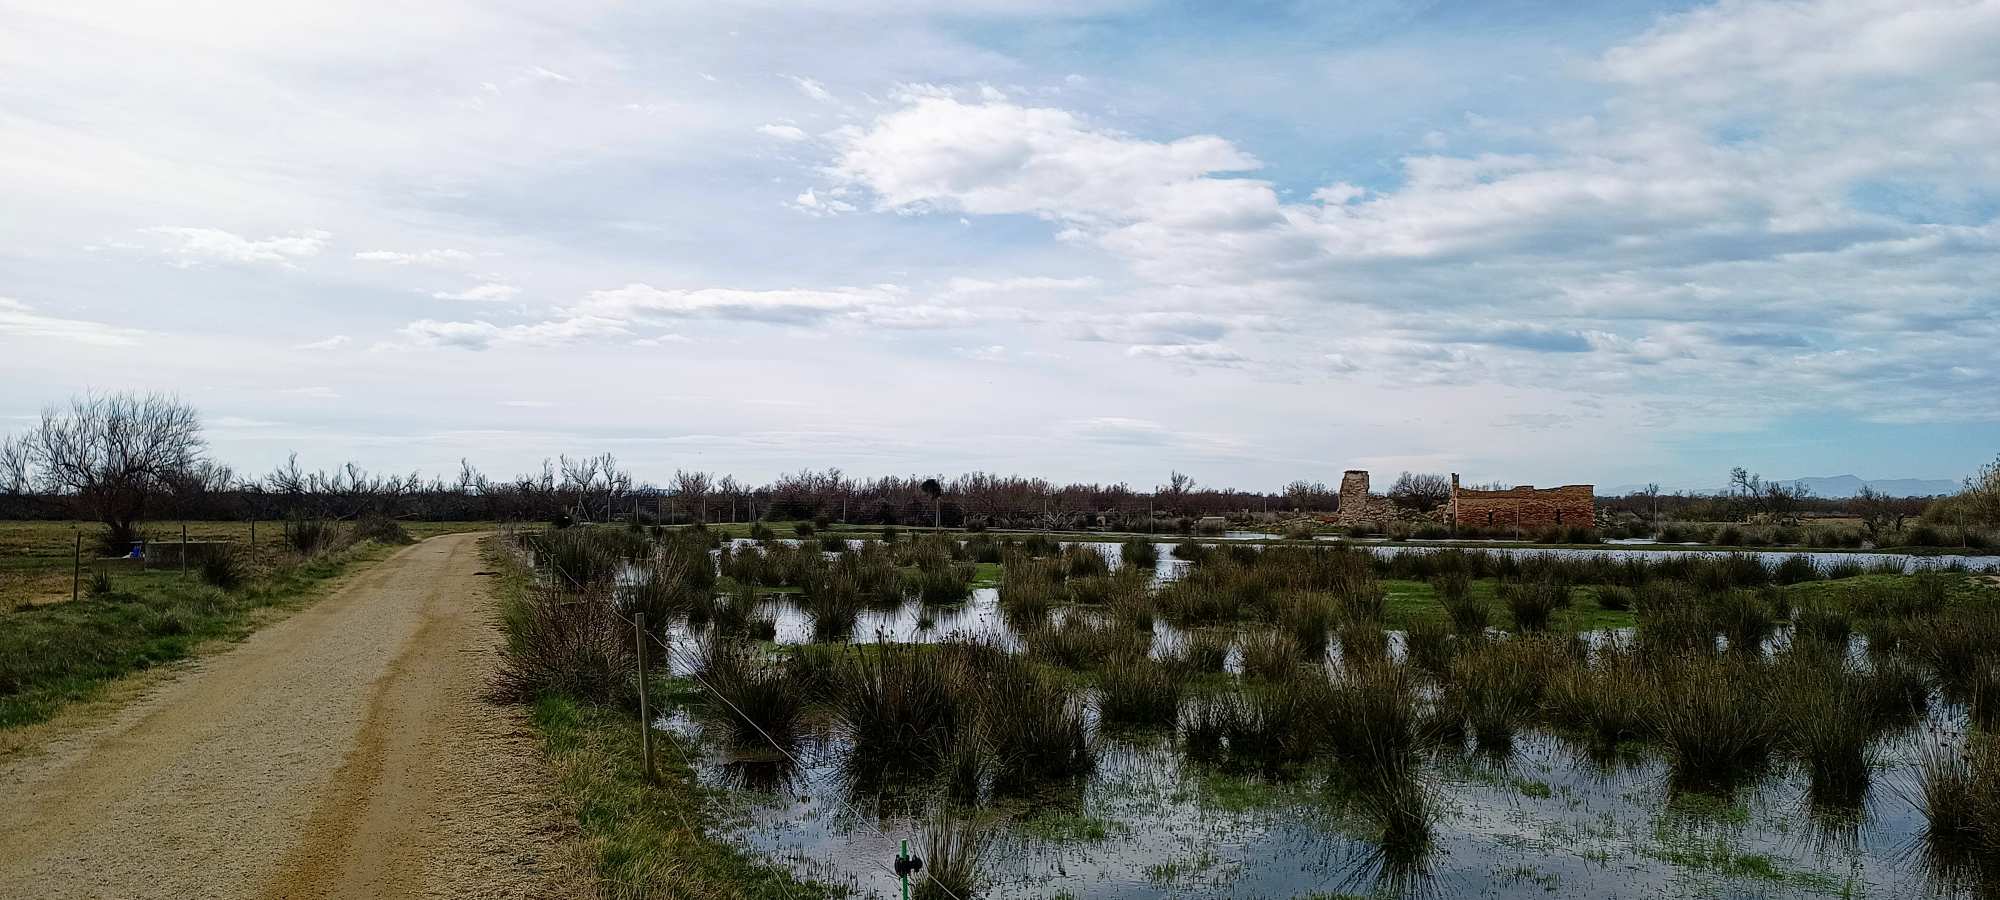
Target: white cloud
[
  {"x": 333, "y": 343},
  {"x": 782, "y": 132},
  {"x": 1192, "y": 354},
  {"x": 811, "y": 88},
  {"x": 316, "y": 392},
  {"x": 489, "y": 292},
  {"x": 198, "y": 246},
  {"x": 18, "y": 319},
  {"x": 439, "y": 257},
  {"x": 483, "y": 335}
]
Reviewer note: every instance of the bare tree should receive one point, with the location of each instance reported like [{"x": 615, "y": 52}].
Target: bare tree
[
  {"x": 1308, "y": 495},
  {"x": 14, "y": 466},
  {"x": 1875, "y": 510},
  {"x": 693, "y": 488},
  {"x": 116, "y": 454},
  {"x": 1422, "y": 492}
]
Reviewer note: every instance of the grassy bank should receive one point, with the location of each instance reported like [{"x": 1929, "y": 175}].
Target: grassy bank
[
  {"x": 645, "y": 838},
  {"x": 55, "y": 652}
]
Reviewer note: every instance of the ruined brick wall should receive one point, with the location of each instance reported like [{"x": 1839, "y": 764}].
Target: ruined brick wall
[
  {"x": 1357, "y": 505},
  {"x": 1525, "y": 506}
]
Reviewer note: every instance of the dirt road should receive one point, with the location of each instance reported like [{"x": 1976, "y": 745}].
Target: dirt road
[{"x": 343, "y": 752}]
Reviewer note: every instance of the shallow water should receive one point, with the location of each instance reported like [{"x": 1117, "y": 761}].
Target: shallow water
[{"x": 1547, "y": 821}]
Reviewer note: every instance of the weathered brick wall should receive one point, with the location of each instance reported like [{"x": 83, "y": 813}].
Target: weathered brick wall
[
  {"x": 1525, "y": 506},
  {"x": 1357, "y": 505}
]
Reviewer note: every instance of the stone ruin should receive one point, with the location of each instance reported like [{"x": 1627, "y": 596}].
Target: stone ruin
[{"x": 1523, "y": 506}]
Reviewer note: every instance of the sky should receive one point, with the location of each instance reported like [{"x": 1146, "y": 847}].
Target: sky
[{"x": 1090, "y": 240}]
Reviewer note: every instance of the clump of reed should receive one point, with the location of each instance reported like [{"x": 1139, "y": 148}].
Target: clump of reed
[
  {"x": 1083, "y": 561},
  {"x": 1533, "y": 603},
  {"x": 1375, "y": 719},
  {"x": 221, "y": 568},
  {"x": 1614, "y": 597},
  {"x": 953, "y": 848},
  {"x": 1363, "y": 641},
  {"x": 1826, "y": 720},
  {"x": 1037, "y": 728},
  {"x": 305, "y": 536},
  {"x": 1358, "y": 590},
  {"x": 1710, "y": 714},
  {"x": 1744, "y": 617},
  {"x": 100, "y": 584},
  {"x": 1821, "y": 621},
  {"x": 1129, "y": 602},
  {"x": 1137, "y": 690},
  {"x": 1957, "y": 789},
  {"x": 1307, "y": 617},
  {"x": 1270, "y": 655},
  {"x": 558, "y": 644},
  {"x": 749, "y": 690},
  {"x": 1468, "y": 613},
  {"x": 1029, "y": 586},
  {"x": 1430, "y": 645},
  {"x": 1079, "y": 643},
  {"x": 1673, "y": 619},
  {"x": 1201, "y": 651},
  {"x": 897, "y": 704},
  {"x": 1498, "y": 685},
  {"x": 1603, "y": 697}
]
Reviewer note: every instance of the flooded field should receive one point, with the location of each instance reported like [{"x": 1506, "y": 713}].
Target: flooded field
[{"x": 1543, "y": 810}]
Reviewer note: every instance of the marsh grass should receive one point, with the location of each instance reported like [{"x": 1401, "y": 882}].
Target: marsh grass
[
  {"x": 1533, "y": 603},
  {"x": 1469, "y": 614},
  {"x": 1270, "y": 655},
  {"x": 749, "y": 691},
  {"x": 1430, "y": 644},
  {"x": 1827, "y": 718},
  {"x": 1711, "y": 716},
  {"x": 567, "y": 646},
  {"x": 897, "y": 704},
  {"x": 1080, "y": 644},
  {"x": 1139, "y": 554},
  {"x": 1139, "y": 691},
  {"x": 954, "y": 846},
  {"x": 1201, "y": 651}
]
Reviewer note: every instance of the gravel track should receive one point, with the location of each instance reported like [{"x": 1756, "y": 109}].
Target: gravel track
[{"x": 343, "y": 752}]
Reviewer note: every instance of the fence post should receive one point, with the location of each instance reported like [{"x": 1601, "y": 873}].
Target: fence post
[
  {"x": 184, "y": 547},
  {"x": 76, "y": 569},
  {"x": 253, "y": 539},
  {"x": 645, "y": 711}
]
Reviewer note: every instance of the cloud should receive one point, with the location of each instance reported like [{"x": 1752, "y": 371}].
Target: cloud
[
  {"x": 483, "y": 335},
  {"x": 996, "y": 158},
  {"x": 333, "y": 343},
  {"x": 439, "y": 257},
  {"x": 812, "y": 89},
  {"x": 489, "y": 292},
  {"x": 199, "y": 246},
  {"x": 20, "y": 320},
  {"x": 316, "y": 392},
  {"x": 782, "y": 132},
  {"x": 1191, "y": 354}
]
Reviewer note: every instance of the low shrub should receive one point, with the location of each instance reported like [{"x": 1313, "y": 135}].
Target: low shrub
[
  {"x": 381, "y": 530},
  {"x": 562, "y": 645}
]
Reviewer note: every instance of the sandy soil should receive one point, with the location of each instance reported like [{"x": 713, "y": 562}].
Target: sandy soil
[{"x": 343, "y": 752}]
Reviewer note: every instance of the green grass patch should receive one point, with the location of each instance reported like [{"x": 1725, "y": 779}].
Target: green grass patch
[
  {"x": 648, "y": 838},
  {"x": 56, "y": 654}
]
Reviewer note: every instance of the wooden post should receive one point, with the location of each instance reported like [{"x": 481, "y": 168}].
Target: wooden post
[
  {"x": 645, "y": 710},
  {"x": 184, "y": 547},
  {"x": 76, "y": 569},
  {"x": 253, "y": 539}
]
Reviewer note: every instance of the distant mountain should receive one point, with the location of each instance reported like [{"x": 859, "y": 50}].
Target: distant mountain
[
  {"x": 1849, "y": 485},
  {"x": 1833, "y": 486}
]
